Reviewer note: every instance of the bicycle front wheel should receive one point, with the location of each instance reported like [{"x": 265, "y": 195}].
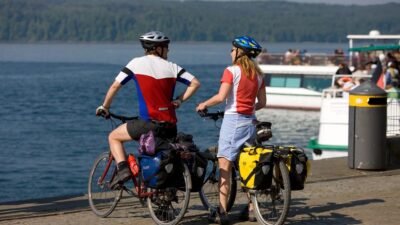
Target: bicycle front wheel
[
  {"x": 168, "y": 206},
  {"x": 209, "y": 193},
  {"x": 271, "y": 206},
  {"x": 102, "y": 199}
]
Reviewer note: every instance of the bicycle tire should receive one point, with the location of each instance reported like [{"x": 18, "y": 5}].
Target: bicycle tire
[
  {"x": 209, "y": 192},
  {"x": 267, "y": 209},
  {"x": 160, "y": 203},
  {"x": 102, "y": 199}
]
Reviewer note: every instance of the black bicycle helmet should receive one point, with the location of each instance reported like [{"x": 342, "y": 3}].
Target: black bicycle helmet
[
  {"x": 154, "y": 39},
  {"x": 250, "y": 46}
]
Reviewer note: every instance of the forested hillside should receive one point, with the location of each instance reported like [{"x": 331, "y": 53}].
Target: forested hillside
[{"x": 124, "y": 20}]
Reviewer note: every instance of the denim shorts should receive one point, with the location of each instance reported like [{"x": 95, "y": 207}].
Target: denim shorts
[{"x": 236, "y": 129}]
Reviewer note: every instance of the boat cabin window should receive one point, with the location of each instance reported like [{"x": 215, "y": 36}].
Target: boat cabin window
[
  {"x": 284, "y": 81},
  {"x": 312, "y": 82},
  {"x": 316, "y": 83}
]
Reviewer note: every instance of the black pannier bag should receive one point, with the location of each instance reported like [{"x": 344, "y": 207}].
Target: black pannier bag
[
  {"x": 160, "y": 170},
  {"x": 298, "y": 169},
  {"x": 196, "y": 163},
  {"x": 197, "y": 166}
]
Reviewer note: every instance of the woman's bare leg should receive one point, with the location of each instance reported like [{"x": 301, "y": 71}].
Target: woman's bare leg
[{"x": 225, "y": 167}]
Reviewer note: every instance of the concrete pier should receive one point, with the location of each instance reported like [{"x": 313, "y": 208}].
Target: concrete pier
[{"x": 334, "y": 194}]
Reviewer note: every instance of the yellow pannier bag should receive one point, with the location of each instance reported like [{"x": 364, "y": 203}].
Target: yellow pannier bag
[{"x": 255, "y": 168}]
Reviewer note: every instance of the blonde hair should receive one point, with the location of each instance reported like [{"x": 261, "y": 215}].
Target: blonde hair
[{"x": 249, "y": 66}]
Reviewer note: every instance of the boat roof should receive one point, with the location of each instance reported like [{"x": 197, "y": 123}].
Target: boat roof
[
  {"x": 299, "y": 69},
  {"x": 375, "y": 48},
  {"x": 373, "y": 36}
]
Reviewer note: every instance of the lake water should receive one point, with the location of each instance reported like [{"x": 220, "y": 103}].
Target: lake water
[{"x": 49, "y": 135}]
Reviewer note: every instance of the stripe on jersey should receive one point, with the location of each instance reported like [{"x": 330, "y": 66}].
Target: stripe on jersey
[
  {"x": 143, "y": 111},
  {"x": 181, "y": 78},
  {"x": 128, "y": 77},
  {"x": 181, "y": 72}
]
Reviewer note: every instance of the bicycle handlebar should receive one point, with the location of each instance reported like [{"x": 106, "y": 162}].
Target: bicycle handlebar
[
  {"x": 123, "y": 118},
  {"x": 214, "y": 116},
  {"x": 118, "y": 117}
]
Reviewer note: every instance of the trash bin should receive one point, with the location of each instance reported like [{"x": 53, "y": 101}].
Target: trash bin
[{"x": 367, "y": 127}]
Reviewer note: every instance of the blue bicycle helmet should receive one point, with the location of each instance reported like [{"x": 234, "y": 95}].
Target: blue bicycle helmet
[{"x": 248, "y": 45}]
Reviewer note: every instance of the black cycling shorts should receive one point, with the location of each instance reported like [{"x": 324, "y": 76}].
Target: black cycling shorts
[{"x": 138, "y": 127}]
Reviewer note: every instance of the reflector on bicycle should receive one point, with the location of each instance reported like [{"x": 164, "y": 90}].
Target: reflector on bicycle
[{"x": 255, "y": 165}]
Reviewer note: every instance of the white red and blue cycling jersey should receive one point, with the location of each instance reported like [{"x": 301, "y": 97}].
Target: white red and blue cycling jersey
[
  {"x": 155, "y": 80},
  {"x": 244, "y": 91}
]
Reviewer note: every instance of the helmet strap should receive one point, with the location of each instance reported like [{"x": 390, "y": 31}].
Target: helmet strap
[{"x": 237, "y": 56}]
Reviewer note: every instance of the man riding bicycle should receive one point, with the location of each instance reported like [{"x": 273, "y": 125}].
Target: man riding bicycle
[{"x": 155, "y": 80}]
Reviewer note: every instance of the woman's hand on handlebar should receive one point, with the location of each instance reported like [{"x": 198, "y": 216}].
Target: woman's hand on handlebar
[
  {"x": 103, "y": 112},
  {"x": 202, "y": 113},
  {"x": 201, "y": 107}
]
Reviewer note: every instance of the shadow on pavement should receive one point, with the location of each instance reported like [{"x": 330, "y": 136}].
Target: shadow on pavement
[
  {"x": 42, "y": 206},
  {"x": 300, "y": 213}
]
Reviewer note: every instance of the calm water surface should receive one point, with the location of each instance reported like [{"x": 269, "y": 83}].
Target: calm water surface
[{"x": 49, "y": 135}]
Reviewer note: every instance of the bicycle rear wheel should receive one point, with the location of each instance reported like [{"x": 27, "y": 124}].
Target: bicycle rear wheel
[
  {"x": 168, "y": 206},
  {"x": 102, "y": 199},
  {"x": 209, "y": 193},
  {"x": 271, "y": 206}
]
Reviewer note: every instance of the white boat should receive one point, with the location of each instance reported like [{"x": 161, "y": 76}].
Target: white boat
[
  {"x": 296, "y": 86},
  {"x": 301, "y": 86},
  {"x": 332, "y": 139},
  {"x": 333, "y": 134}
]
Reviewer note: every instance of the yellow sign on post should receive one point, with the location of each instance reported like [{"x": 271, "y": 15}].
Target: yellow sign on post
[{"x": 367, "y": 101}]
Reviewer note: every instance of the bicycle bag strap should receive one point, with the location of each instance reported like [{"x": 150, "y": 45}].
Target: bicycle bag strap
[
  {"x": 252, "y": 173},
  {"x": 255, "y": 165}
]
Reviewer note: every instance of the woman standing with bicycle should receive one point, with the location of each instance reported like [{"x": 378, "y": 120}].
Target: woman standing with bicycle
[{"x": 241, "y": 85}]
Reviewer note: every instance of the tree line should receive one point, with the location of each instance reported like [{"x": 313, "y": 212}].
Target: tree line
[{"x": 125, "y": 20}]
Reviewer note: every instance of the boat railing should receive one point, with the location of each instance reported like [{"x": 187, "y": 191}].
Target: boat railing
[
  {"x": 355, "y": 78},
  {"x": 301, "y": 59},
  {"x": 393, "y": 112},
  {"x": 359, "y": 61},
  {"x": 334, "y": 91},
  {"x": 393, "y": 103}
]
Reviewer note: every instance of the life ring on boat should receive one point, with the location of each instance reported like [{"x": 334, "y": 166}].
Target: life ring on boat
[{"x": 344, "y": 80}]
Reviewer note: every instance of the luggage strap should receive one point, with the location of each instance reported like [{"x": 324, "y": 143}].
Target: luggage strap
[{"x": 245, "y": 181}]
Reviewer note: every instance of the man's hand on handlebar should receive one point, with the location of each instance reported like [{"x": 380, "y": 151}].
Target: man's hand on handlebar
[{"x": 103, "y": 112}]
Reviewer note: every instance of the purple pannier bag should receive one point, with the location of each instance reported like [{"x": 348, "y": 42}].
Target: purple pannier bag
[{"x": 147, "y": 144}]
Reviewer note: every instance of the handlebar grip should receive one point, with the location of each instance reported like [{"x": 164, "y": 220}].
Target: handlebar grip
[
  {"x": 103, "y": 114},
  {"x": 202, "y": 113}
]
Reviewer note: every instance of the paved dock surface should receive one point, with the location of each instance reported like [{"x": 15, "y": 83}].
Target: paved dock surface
[{"x": 334, "y": 194}]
